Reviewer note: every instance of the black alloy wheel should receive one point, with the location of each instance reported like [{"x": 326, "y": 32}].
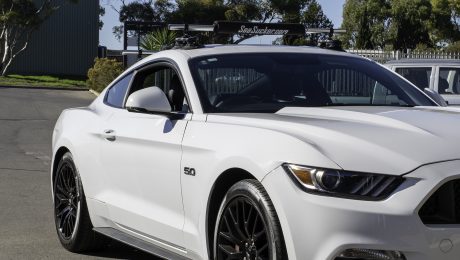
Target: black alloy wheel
[
  {"x": 248, "y": 227},
  {"x": 67, "y": 200},
  {"x": 73, "y": 224}
]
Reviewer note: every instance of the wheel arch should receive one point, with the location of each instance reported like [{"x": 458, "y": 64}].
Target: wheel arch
[
  {"x": 57, "y": 158},
  {"x": 220, "y": 187}
]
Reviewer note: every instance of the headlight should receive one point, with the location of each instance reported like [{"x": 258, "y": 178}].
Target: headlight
[{"x": 354, "y": 185}]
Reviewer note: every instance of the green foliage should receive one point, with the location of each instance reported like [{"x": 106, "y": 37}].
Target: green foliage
[
  {"x": 366, "y": 22},
  {"x": 401, "y": 24},
  {"x": 158, "y": 40},
  {"x": 409, "y": 25},
  {"x": 313, "y": 16},
  {"x": 454, "y": 47},
  {"x": 199, "y": 11},
  {"x": 244, "y": 10},
  {"x": 142, "y": 11},
  {"x": 103, "y": 73},
  {"x": 289, "y": 10},
  {"x": 308, "y": 12},
  {"x": 101, "y": 13},
  {"x": 423, "y": 47},
  {"x": 41, "y": 81}
]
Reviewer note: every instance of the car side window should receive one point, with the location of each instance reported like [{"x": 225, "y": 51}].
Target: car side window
[
  {"x": 420, "y": 77},
  {"x": 167, "y": 79},
  {"x": 449, "y": 81},
  {"x": 116, "y": 94}
]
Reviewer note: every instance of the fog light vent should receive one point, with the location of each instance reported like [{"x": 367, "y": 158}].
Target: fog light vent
[{"x": 369, "y": 254}]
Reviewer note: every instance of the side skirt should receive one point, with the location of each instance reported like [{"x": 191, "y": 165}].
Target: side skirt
[{"x": 138, "y": 243}]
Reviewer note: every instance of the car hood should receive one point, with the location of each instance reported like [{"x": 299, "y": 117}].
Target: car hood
[{"x": 387, "y": 140}]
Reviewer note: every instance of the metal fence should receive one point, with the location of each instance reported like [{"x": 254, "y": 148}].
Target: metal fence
[{"x": 385, "y": 56}]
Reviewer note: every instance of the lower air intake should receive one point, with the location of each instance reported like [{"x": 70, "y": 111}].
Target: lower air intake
[{"x": 443, "y": 207}]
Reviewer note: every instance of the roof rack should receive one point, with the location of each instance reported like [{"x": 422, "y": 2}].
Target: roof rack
[{"x": 247, "y": 29}]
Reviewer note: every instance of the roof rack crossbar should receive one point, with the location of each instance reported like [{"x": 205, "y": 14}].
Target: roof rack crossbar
[
  {"x": 191, "y": 27},
  {"x": 248, "y": 29}
]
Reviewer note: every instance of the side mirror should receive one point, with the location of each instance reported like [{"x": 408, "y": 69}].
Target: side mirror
[
  {"x": 436, "y": 97},
  {"x": 149, "y": 100}
]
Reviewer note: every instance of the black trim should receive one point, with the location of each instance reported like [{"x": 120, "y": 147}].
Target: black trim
[
  {"x": 170, "y": 115},
  {"x": 443, "y": 206},
  {"x": 138, "y": 243},
  {"x": 161, "y": 62},
  {"x": 130, "y": 73}
]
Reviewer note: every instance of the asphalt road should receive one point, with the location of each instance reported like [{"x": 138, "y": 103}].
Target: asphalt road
[{"x": 27, "y": 117}]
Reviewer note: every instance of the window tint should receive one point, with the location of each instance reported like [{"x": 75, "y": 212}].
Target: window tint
[
  {"x": 228, "y": 80},
  {"x": 271, "y": 81},
  {"x": 420, "y": 77},
  {"x": 449, "y": 81},
  {"x": 116, "y": 94},
  {"x": 345, "y": 85},
  {"x": 167, "y": 80}
]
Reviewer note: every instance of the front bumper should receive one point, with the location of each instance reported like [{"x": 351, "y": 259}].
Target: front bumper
[{"x": 320, "y": 227}]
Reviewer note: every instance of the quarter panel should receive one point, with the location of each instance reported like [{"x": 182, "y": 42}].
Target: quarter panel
[{"x": 79, "y": 131}]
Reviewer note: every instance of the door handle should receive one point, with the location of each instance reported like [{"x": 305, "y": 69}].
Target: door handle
[{"x": 109, "y": 135}]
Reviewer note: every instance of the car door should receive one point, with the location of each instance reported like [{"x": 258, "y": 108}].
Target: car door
[{"x": 141, "y": 154}]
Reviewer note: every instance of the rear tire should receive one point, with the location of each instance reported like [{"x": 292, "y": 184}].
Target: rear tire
[
  {"x": 247, "y": 225},
  {"x": 72, "y": 221}
]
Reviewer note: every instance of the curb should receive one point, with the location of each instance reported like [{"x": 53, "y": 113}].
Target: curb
[
  {"x": 94, "y": 92},
  {"x": 50, "y": 88}
]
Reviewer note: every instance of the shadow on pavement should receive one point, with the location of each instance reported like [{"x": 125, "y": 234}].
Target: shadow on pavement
[{"x": 117, "y": 250}]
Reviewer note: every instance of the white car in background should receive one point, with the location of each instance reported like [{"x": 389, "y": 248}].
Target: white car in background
[
  {"x": 260, "y": 152},
  {"x": 442, "y": 76}
]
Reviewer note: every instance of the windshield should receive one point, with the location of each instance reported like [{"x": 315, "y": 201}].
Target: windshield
[{"x": 268, "y": 82}]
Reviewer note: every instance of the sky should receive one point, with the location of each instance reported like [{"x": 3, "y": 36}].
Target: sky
[{"x": 332, "y": 8}]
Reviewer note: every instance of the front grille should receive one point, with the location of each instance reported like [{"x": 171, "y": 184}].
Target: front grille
[{"x": 443, "y": 207}]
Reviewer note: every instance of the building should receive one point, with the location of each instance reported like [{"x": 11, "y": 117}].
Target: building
[{"x": 65, "y": 44}]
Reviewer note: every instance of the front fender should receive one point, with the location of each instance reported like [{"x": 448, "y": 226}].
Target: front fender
[{"x": 213, "y": 148}]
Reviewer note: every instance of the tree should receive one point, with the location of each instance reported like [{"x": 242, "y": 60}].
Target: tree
[
  {"x": 366, "y": 22},
  {"x": 454, "y": 6},
  {"x": 199, "y": 11},
  {"x": 18, "y": 20},
  {"x": 208, "y": 11},
  {"x": 101, "y": 13},
  {"x": 313, "y": 17},
  {"x": 441, "y": 25},
  {"x": 244, "y": 10},
  {"x": 454, "y": 47},
  {"x": 147, "y": 10},
  {"x": 135, "y": 11},
  {"x": 409, "y": 23},
  {"x": 402, "y": 24}
]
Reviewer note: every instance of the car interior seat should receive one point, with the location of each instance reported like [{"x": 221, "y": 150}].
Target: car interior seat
[
  {"x": 176, "y": 94},
  {"x": 443, "y": 86},
  {"x": 315, "y": 92}
]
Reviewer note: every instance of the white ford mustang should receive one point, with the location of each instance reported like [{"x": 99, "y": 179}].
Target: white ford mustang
[{"x": 260, "y": 152}]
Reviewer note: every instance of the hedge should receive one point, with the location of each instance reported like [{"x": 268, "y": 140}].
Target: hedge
[{"x": 103, "y": 73}]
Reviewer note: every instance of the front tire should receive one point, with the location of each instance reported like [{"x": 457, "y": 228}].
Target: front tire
[
  {"x": 247, "y": 226},
  {"x": 72, "y": 221}
]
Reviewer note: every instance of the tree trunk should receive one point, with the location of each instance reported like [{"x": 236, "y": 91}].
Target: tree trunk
[{"x": 10, "y": 50}]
